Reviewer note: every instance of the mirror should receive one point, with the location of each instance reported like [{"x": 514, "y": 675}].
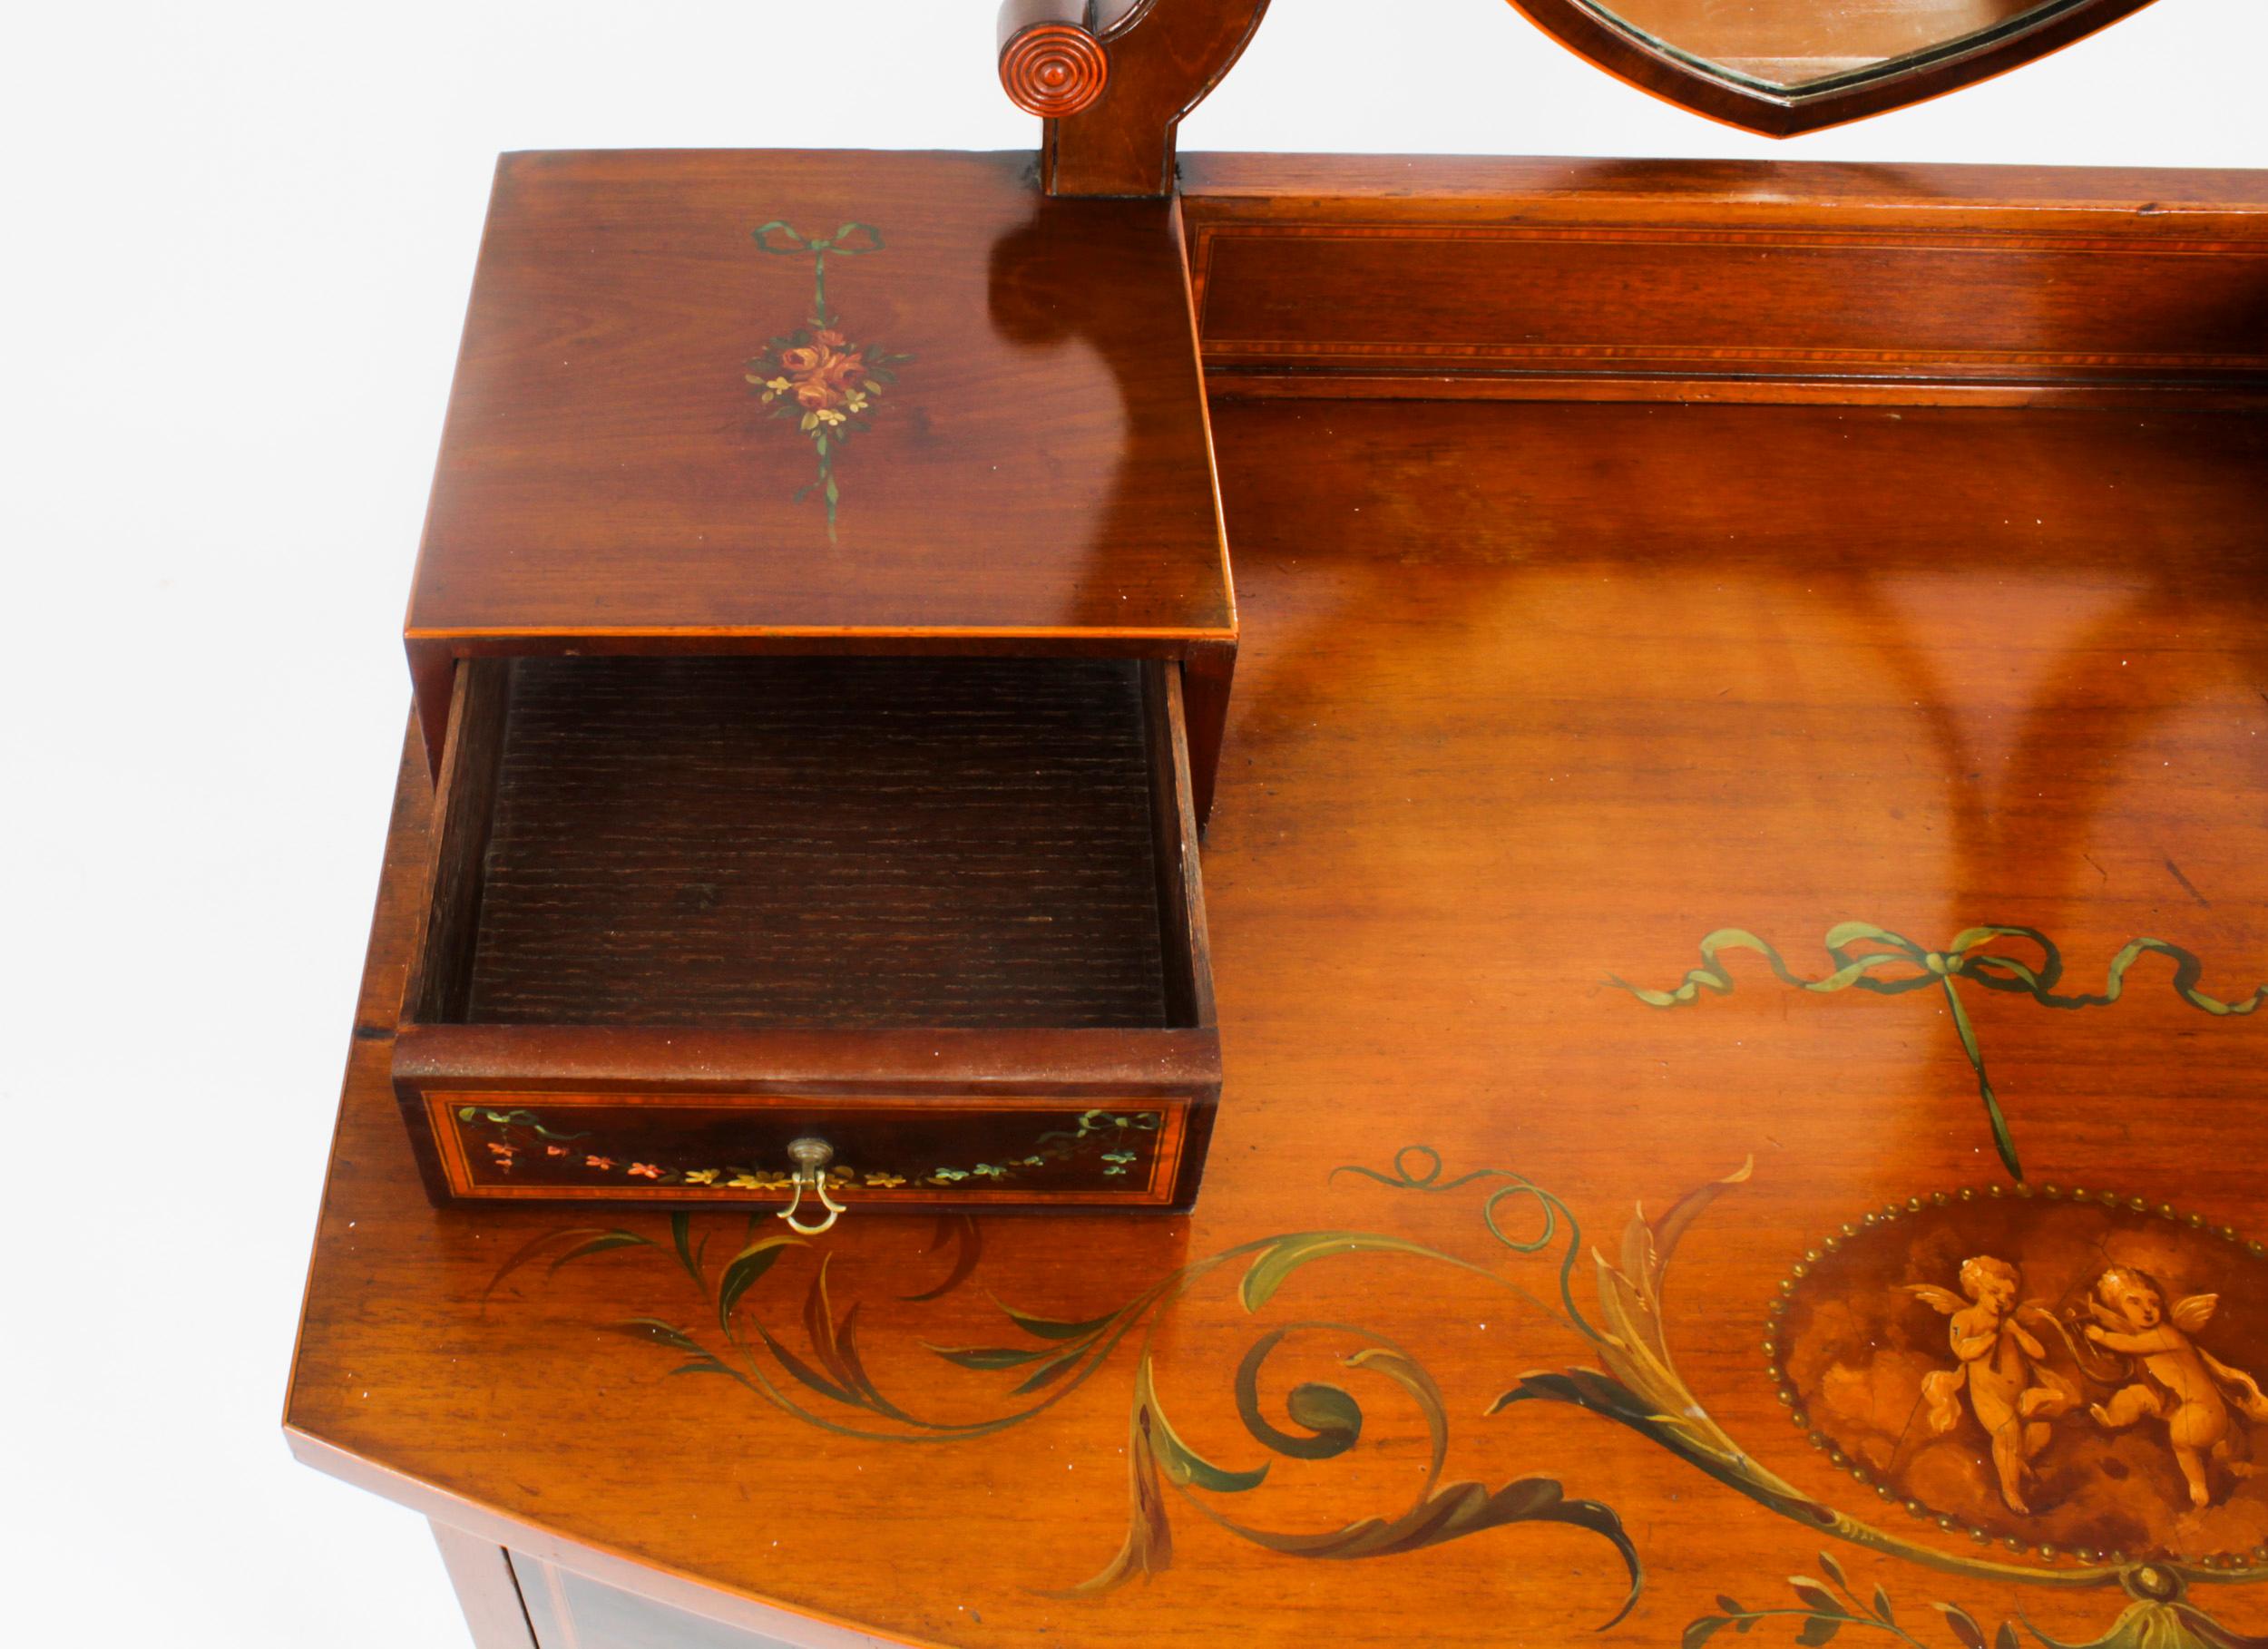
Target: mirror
[
  {"x": 1784, "y": 45},
  {"x": 1785, "y": 66}
]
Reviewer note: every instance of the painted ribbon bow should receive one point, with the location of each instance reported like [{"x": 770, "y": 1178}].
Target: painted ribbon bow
[
  {"x": 1868, "y": 958},
  {"x": 780, "y": 237}
]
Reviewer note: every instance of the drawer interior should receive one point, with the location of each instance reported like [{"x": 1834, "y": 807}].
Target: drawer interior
[{"x": 839, "y": 842}]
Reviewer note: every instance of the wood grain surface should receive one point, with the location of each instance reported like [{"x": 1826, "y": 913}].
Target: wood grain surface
[
  {"x": 1165, "y": 57},
  {"x": 1533, "y": 701},
  {"x": 822, "y": 841},
  {"x": 714, "y": 400},
  {"x": 607, "y": 466},
  {"x": 1432, "y": 277}
]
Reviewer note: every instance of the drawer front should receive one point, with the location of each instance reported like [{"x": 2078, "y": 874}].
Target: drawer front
[{"x": 734, "y": 1148}]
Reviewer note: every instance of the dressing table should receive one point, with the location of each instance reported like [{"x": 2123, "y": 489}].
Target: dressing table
[{"x": 1639, "y": 1017}]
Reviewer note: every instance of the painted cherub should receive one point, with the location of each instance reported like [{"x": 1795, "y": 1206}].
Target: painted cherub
[
  {"x": 2181, "y": 1383},
  {"x": 2011, "y": 1390}
]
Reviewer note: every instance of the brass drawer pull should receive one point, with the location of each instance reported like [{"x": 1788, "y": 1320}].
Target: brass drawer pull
[{"x": 811, "y": 1158}]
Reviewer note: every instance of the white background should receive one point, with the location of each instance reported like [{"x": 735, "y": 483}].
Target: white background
[{"x": 238, "y": 239}]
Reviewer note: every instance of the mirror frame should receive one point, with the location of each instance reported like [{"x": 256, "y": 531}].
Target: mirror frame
[{"x": 1638, "y": 58}]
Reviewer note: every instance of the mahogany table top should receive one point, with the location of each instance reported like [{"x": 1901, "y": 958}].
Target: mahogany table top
[
  {"x": 716, "y": 392},
  {"x": 1743, "y": 833}
]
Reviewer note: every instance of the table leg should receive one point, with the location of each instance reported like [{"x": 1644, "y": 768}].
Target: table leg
[{"x": 485, "y": 1589}]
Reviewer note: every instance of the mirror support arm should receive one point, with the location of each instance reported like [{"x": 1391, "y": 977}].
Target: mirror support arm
[{"x": 1124, "y": 72}]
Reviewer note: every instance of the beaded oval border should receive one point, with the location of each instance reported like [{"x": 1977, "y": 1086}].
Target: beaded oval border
[{"x": 2253, "y": 1562}]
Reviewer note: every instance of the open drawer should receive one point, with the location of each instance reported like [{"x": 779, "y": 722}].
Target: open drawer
[{"x": 936, "y": 923}]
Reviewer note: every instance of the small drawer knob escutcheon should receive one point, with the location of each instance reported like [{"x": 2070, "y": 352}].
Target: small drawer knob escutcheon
[{"x": 811, "y": 1155}]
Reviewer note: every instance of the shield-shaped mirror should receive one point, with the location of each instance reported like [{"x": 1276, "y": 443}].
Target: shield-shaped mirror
[{"x": 1785, "y": 66}]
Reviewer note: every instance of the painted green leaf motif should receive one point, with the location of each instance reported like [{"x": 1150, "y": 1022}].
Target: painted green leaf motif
[
  {"x": 818, "y": 1321},
  {"x": 1148, "y": 1548},
  {"x": 1405, "y": 1372},
  {"x": 963, "y": 1230},
  {"x": 1049, "y": 1328},
  {"x": 1281, "y": 1258},
  {"x": 1054, "y": 1369},
  {"x": 1585, "y": 1388},
  {"x": 536, "y": 1244},
  {"x": 1609, "y": 1397},
  {"x": 988, "y": 1356},
  {"x": 1640, "y": 1389},
  {"x": 1815, "y": 1596},
  {"x": 803, "y": 1371},
  {"x": 1823, "y": 1616},
  {"x": 1332, "y": 1415},
  {"x": 854, "y": 1368},
  {"x": 1456, "y": 1511},
  {"x": 742, "y": 1270},
  {"x": 1182, "y": 1465},
  {"x": 599, "y": 1245},
  {"x": 682, "y": 1238},
  {"x": 657, "y": 1332}
]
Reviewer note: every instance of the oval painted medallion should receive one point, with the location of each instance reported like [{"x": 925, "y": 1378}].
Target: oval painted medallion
[{"x": 2064, "y": 1374}]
